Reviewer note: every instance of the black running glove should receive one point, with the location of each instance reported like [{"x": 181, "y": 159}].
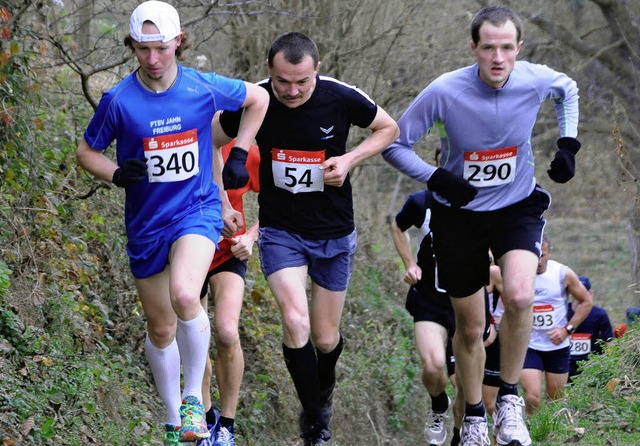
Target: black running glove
[
  {"x": 563, "y": 166},
  {"x": 133, "y": 170},
  {"x": 234, "y": 173},
  {"x": 456, "y": 190}
]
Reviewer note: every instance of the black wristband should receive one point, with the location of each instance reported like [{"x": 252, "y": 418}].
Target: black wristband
[
  {"x": 238, "y": 153},
  {"x": 569, "y": 144}
]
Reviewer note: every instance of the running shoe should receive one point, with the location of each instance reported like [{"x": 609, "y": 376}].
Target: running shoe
[
  {"x": 211, "y": 440},
  {"x": 317, "y": 433},
  {"x": 475, "y": 432},
  {"x": 436, "y": 432},
  {"x": 212, "y": 430},
  {"x": 194, "y": 426},
  {"x": 172, "y": 436},
  {"x": 509, "y": 427},
  {"x": 317, "y": 437},
  {"x": 224, "y": 437}
]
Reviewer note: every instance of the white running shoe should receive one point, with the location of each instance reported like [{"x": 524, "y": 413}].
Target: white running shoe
[
  {"x": 436, "y": 432},
  {"x": 475, "y": 432},
  {"x": 509, "y": 427}
]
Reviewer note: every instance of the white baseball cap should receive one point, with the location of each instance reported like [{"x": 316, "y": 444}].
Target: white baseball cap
[{"x": 161, "y": 14}]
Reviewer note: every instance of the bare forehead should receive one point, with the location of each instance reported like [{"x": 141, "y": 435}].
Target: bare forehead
[
  {"x": 292, "y": 72},
  {"x": 505, "y": 32}
]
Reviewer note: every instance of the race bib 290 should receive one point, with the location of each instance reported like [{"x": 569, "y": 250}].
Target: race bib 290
[{"x": 486, "y": 168}]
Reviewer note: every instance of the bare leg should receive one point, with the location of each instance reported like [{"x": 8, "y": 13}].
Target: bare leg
[
  {"x": 531, "y": 382},
  {"x": 468, "y": 346},
  {"x": 228, "y": 290},
  {"x": 518, "y": 272}
]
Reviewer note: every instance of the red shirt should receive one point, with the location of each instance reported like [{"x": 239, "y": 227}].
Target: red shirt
[{"x": 235, "y": 198}]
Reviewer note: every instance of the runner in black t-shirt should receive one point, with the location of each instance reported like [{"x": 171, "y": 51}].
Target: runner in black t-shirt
[{"x": 306, "y": 210}]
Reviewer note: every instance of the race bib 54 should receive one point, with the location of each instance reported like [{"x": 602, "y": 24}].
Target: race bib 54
[{"x": 298, "y": 171}]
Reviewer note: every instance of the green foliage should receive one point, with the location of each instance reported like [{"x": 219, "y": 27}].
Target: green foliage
[
  {"x": 544, "y": 424},
  {"x": 71, "y": 330},
  {"x": 64, "y": 379},
  {"x": 601, "y": 406},
  {"x": 5, "y": 280},
  {"x": 383, "y": 366},
  {"x": 19, "y": 97}
]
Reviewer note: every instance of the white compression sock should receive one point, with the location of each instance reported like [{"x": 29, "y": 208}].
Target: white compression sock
[
  {"x": 165, "y": 366},
  {"x": 193, "y": 339}
]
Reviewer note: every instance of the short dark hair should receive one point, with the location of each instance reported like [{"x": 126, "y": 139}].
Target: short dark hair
[
  {"x": 184, "y": 44},
  {"x": 294, "y": 47},
  {"x": 496, "y": 15}
]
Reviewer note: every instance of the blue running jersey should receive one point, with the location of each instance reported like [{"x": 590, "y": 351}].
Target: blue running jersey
[{"x": 172, "y": 130}]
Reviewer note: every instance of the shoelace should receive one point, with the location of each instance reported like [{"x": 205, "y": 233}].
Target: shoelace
[
  {"x": 172, "y": 436},
  {"x": 511, "y": 412},
  {"x": 436, "y": 420},
  {"x": 225, "y": 437},
  {"x": 192, "y": 413},
  {"x": 475, "y": 434}
]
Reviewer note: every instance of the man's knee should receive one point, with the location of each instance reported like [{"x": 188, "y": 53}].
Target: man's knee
[
  {"x": 470, "y": 333},
  {"x": 433, "y": 364},
  {"x": 326, "y": 342},
  {"x": 226, "y": 336},
  {"x": 518, "y": 304},
  {"x": 184, "y": 298},
  {"x": 532, "y": 400},
  {"x": 161, "y": 335},
  {"x": 295, "y": 322}
]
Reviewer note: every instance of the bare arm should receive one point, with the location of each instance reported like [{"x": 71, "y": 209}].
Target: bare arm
[
  {"x": 384, "y": 130},
  {"x": 219, "y": 137},
  {"x": 242, "y": 247},
  {"x": 95, "y": 162},
  {"x": 402, "y": 242},
  {"x": 582, "y": 307},
  {"x": 582, "y": 298}
]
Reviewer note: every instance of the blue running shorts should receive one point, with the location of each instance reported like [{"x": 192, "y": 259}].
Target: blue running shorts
[
  {"x": 330, "y": 261},
  {"x": 553, "y": 361},
  {"x": 150, "y": 256}
]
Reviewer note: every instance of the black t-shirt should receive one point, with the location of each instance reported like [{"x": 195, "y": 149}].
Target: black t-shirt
[{"x": 320, "y": 124}]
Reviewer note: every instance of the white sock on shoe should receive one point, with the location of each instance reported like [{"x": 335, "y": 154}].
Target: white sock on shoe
[
  {"x": 193, "y": 339},
  {"x": 165, "y": 366}
]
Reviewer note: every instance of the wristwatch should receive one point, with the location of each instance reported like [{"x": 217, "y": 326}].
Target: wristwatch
[{"x": 570, "y": 329}]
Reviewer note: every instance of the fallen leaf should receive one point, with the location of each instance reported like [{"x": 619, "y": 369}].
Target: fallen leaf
[
  {"x": 27, "y": 426},
  {"x": 611, "y": 385}
]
